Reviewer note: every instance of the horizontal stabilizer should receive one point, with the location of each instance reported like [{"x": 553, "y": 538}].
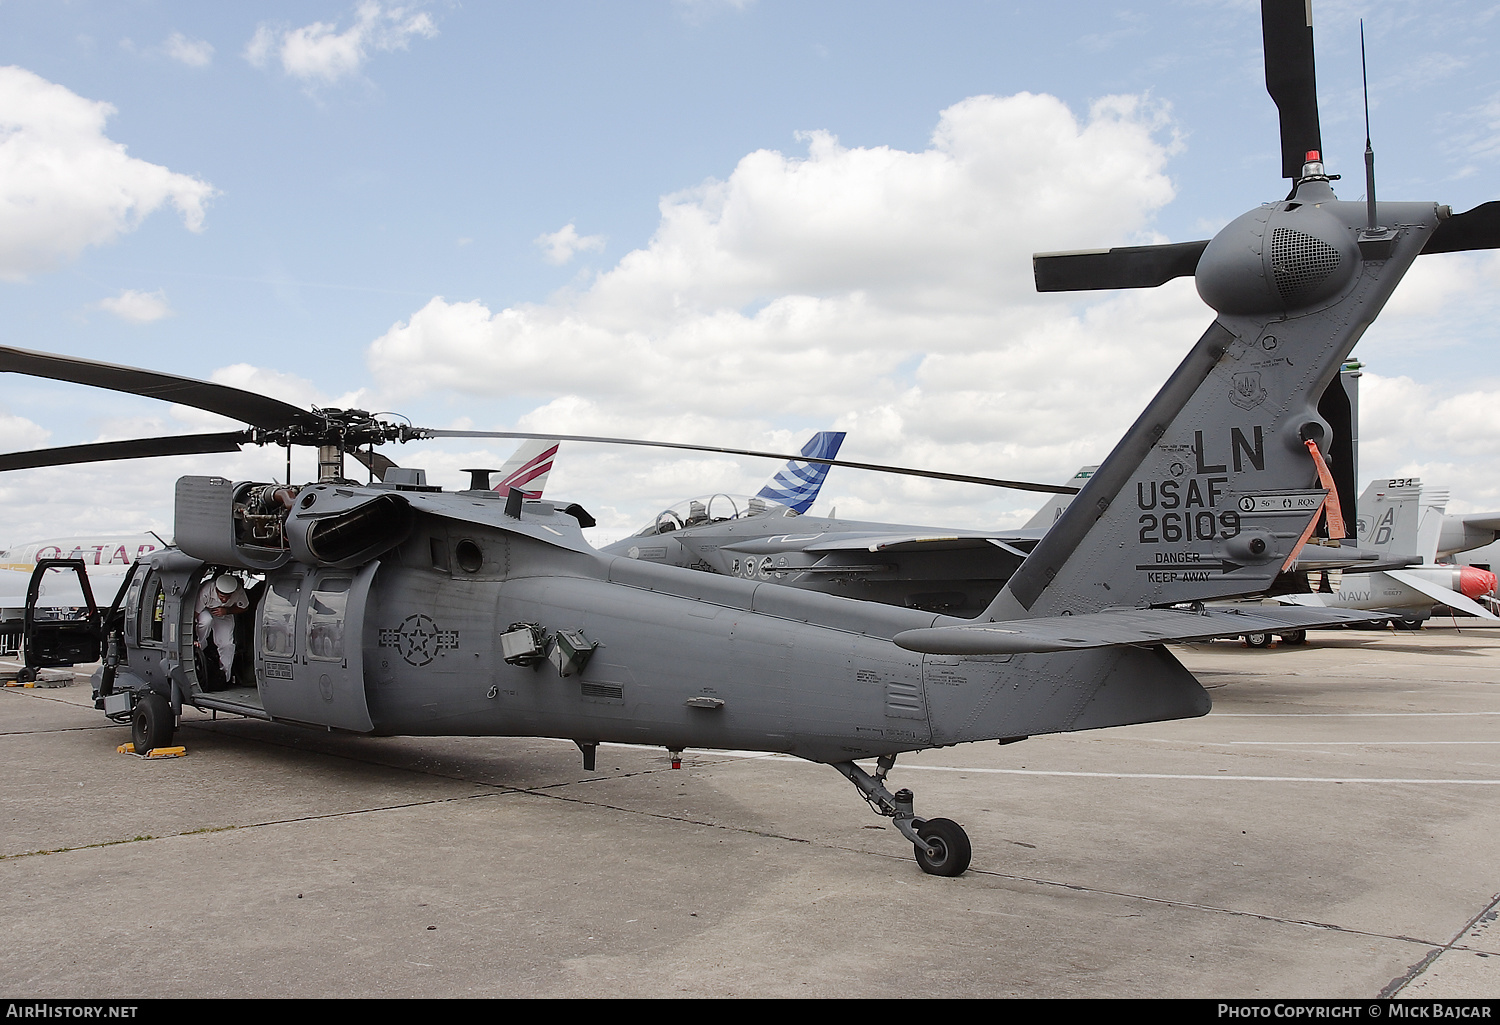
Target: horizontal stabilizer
[
  {"x": 1354, "y": 570},
  {"x": 916, "y": 542},
  {"x": 1120, "y": 627},
  {"x": 1124, "y": 267},
  {"x": 1316, "y": 557}
]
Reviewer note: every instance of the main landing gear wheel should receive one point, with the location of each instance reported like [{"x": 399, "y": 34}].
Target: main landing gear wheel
[
  {"x": 151, "y": 723},
  {"x": 950, "y": 846},
  {"x": 1258, "y": 640},
  {"x": 1294, "y": 638}
]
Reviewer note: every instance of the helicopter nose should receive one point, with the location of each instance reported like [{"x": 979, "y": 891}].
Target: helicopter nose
[{"x": 1473, "y": 582}]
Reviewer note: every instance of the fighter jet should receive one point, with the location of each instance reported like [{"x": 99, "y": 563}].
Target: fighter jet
[
  {"x": 957, "y": 572},
  {"x": 1408, "y": 580}
]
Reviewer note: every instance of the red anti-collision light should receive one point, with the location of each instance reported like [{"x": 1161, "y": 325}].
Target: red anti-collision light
[
  {"x": 1473, "y": 581},
  {"x": 1312, "y": 155}
]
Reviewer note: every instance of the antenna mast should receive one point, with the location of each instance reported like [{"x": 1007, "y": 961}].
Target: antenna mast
[{"x": 1364, "y": 75}]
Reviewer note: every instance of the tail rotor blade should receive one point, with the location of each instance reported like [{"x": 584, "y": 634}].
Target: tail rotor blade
[
  {"x": 1124, "y": 267},
  {"x": 1286, "y": 26},
  {"x": 1478, "y": 228}
]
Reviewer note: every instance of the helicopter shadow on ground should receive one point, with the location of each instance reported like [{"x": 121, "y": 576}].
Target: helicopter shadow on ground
[{"x": 714, "y": 790}]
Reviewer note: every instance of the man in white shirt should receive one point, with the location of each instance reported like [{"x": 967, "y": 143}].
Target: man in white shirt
[{"x": 220, "y": 599}]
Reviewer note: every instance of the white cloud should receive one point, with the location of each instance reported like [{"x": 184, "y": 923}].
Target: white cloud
[
  {"x": 195, "y": 53},
  {"x": 560, "y": 246},
  {"x": 137, "y": 307},
  {"x": 17, "y": 434},
  {"x": 874, "y": 289},
  {"x": 64, "y": 185},
  {"x": 870, "y": 289},
  {"x": 320, "y": 53},
  {"x": 287, "y": 387},
  {"x": 1409, "y": 428}
]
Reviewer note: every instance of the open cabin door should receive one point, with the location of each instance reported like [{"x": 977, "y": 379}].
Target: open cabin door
[
  {"x": 75, "y": 640},
  {"x": 309, "y": 656}
]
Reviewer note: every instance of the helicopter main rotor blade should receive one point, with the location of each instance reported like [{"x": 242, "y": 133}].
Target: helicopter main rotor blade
[
  {"x": 1286, "y": 27},
  {"x": 1478, "y": 228},
  {"x": 1123, "y": 267},
  {"x": 376, "y": 463},
  {"x": 136, "y": 448},
  {"x": 1016, "y": 485},
  {"x": 235, "y": 403}
]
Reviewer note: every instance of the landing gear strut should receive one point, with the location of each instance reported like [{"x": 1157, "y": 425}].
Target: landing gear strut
[{"x": 941, "y": 845}]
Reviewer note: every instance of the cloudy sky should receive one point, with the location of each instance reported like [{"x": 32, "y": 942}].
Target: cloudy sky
[{"x": 720, "y": 222}]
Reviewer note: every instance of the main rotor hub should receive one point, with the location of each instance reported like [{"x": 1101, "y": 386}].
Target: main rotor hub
[{"x": 343, "y": 429}]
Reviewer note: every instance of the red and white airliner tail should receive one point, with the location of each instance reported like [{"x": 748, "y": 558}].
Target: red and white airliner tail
[{"x": 527, "y": 469}]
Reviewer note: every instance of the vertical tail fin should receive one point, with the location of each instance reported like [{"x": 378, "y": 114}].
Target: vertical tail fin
[
  {"x": 1052, "y": 509},
  {"x": 1209, "y": 491},
  {"x": 1388, "y": 516},
  {"x": 796, "y": 484},
  {"x": 1430, "y": 529},
  {"x": 528, "y": 468}
]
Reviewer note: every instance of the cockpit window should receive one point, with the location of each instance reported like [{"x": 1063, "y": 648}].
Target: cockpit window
[{"x": 711, "y": 509}]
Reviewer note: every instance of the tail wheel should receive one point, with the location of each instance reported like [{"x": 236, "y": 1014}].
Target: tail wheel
[
  {"x": 151, "y": 723},
  {"x": 950, "y": 845},
  {"x": 1258, "y": 640}
]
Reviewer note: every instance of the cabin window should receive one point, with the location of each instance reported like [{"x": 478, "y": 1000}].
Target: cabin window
[
  {"x": 278, "y": 618},
  {"x": 325, "y": 619}
]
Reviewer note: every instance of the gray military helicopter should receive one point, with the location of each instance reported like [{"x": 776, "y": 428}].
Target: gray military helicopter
[{"x": 394, "y": 608}]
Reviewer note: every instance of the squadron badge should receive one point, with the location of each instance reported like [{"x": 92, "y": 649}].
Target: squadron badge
[{"x": 1246, "y": 391}]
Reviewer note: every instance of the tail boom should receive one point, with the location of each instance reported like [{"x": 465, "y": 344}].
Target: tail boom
[{"x": 1207, "y": 493}]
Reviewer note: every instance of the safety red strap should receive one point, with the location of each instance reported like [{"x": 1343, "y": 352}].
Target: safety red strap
[{"x": 1329, "y": 507}]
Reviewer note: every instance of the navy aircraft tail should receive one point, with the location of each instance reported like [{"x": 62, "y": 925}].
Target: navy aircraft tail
[
  {"x": 1389, "y": 513},
  {"x": 1051, "y": 511}
]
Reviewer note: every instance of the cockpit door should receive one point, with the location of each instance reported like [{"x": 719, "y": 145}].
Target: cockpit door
[{"x": 309, "y": 650}]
